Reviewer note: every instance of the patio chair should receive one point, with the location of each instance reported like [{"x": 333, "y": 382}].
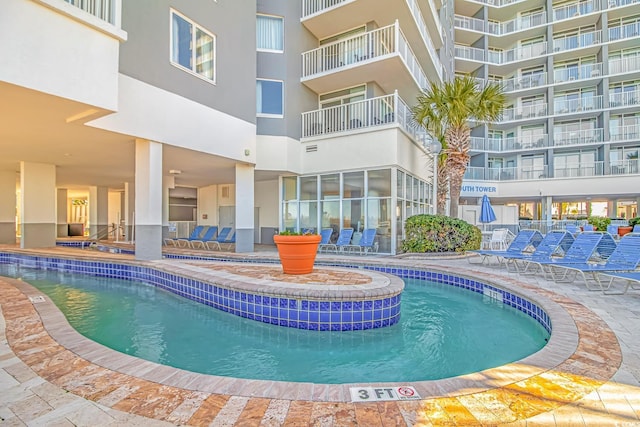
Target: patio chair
[
  {"x": 366, "y": 243},
  {"x": 587, "y": 227},
  {"x": 525, "y": 240},
  {"x": 325, "y": 239},
  {"x": 222, "y": 237},
  {"x": 344, "y": 239},
  {"x": 554, "y": 243},
  {"x": 573, "y": 229},
  {"x": 195, "y": 234},
  {"x": 499, "y": 240},
  {"x": 209, "y": 236},
  {"x": 625, "y": 257},
  {"x": 613, "y": 230},
  {"x": 587, "y": 246},
  {"x": 636, "y": 228},
  {"x": 631, "y": 278}
]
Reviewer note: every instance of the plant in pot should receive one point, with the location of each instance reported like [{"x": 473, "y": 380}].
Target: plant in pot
[
  {"x": 297, "y": 251},
  {"x": 599, "y": 223},
  {"x": 632, "y": 223}
]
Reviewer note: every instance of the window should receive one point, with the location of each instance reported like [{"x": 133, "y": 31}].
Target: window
[
  {"x": 192, "y": 48},
  {"x": 269, "y": 97},
  {"x": 270, "y": 33}
]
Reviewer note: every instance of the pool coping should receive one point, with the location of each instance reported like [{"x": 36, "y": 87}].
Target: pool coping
[{"x": 562, "y": 344}]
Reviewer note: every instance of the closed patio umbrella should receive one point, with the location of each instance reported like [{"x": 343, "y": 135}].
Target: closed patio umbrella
[{"x": 487, "y": 214}]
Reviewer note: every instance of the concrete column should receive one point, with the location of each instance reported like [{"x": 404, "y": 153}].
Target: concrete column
[
  {"x": 547, "y": 209},
  {"x": 612, "y": 208},
  {"x": 99, "y": 212},
  {"x": 8, "y": 207},
  {"x": 38, "y": 205},
  {"x": 168, "y": 183},
  {"x": 62, "y": 212},
  {"x": 148, "y": 217},
  {"x": 245, "y": 202},
  {"x": 128, "y": 210}
]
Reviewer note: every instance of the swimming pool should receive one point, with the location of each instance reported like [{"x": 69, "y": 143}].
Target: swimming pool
[{"x": 286, "y": 353}]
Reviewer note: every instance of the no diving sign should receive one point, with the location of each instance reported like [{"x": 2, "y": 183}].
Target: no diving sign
[{"x": 376, "y": 394}]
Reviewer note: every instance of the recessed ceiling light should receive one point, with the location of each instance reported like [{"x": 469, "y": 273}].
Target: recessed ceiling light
[{"x": 175, "y": 171}]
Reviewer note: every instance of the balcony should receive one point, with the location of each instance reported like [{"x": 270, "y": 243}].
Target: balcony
[
  {"x": 624, "y": 65},
  {"x": 382, "y": 55},
  {"x": 519, "y": 53},
  {"x": 568, "y": 106},
  {"x": 624, "y": 167},
  {"x": 624, "y": 133},
  {"x": 326, "y": 18},
  {"x": 367, "y": 115},
  {"x": 524, "y": 82},
  {"x": 524, "y": 112},
  {"x": 619, "y": 3},
  {"x": 626, "y": 31},
  {"x": 574, "y": 10},
  {"x": 577, "y": 41},
  {"x": 577, "y": 170},
  {"x": 573, "y": 73},
  {"x": 580, "y": 137},
  {"x": 105, "y": 10},
  {"x": 497, "y": 145},
  {"x": 518, "y": 24},
  {"x": 624, "y": 99}
]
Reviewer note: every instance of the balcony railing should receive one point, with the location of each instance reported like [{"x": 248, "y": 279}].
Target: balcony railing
[
  {"x": 566, "y": 106},
  {"x": 619, "y": 3},
  {"x": 357, "y": 116},
  {"x": 580, "y": 72},
  {"x": 574, "y": 9},
  {"x": 524, "y": 142},
  {"x": 468, "y": 52},
  {"x": 624, "y": 167},
  {"x": 586, "y": 136},
  {"x": 624, "y": 65},
  {"x": 311, "y": 7},
  {"x": 499, "y": 3},
  {"x": 577, "y": 41},
  {"x": 374, "y": 44},
  {"x": 624, "y": 133},
  {"x": 525, "y": 112},
  {"x": 467, "y": 23},
  {"x": 102, "y": 9},
  {"x": 524, "y": 82},
  {"x": 424, "y": 32},
  {"x": 518, "y": 24},
  {"x": 519, "y": 53},
  {"x": 575, "y": 170},
  {"x": 624, "y": 98},
  {"x": 626, "y": 31}
]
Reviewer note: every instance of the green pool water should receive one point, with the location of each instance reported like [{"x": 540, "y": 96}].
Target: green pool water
[{"x": 443, "y": 332}]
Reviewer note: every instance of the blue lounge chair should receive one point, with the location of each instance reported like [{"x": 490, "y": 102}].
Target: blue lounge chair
[
  {"x": 636, "y": 228},
  {"x": 630, "y": 278},
  {"x": 588, "y": 245},
  {"x": 209, "y": 236},
  {"x": 325, "y": 239},
  {"x": 625, "y": 257},
  {"x": 554, "y": 243},
  {"x": 525, "y": 240},
  {"x": 195, "y": 234},
  {"x": 344, "y": 239},
  {"x": 613, "y": 230},
  {"x": 587, "y": 227},
  {"x": 223, "y": 235},
  {"x": 366, "y": 243},
  {"x": 573, "y": 229}
]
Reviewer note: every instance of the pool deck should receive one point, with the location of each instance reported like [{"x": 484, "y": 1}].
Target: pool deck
[{"x": 588, "y": 374}]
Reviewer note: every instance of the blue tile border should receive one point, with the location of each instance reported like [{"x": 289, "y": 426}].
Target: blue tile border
[{"x": 291, "y": 312}]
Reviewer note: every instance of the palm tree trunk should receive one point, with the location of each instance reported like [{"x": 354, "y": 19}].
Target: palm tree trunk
[
  {"x": 458, "y": 146},
  {"x": 443, "y": 186}
]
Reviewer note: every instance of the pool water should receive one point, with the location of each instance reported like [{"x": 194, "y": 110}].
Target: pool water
[{"x": 443, "y": 332}]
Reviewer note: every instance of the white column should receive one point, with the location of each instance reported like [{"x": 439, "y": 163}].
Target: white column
[
  {"x": 128, "y": 210},
  {"x": 8, "y": 207},
  {"x": 62, "y": 212},
  {"x": 38, "y": 205},
  {"x": 148, "y": 217},
  {"x": 168, "y": 183},
  {"x": 99, "y": 212},
  {"x": 245, "y": 202}
]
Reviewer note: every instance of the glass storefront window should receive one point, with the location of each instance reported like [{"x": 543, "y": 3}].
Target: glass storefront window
[
  {"x": 330, "y": 187},
  {"x": 379, "y": 217},
  {"x": 353, "y": 214},
  {"x": 309, "y": 215},
  {"x": 309, "y": 188},
  {"x": 331, "y": 217},
  {"x": 290, "y": 188},
  {"x": 353, "y": 185},
  {"x": 379, "y": 183},
  {"x": 290, "y": 215},
  {"x": 400, "y": 184}
]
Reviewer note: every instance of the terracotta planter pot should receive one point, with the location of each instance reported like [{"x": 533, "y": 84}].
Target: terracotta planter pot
[
  {"x": 624, "y": 230},
  {"x": 297, "y": 253}
]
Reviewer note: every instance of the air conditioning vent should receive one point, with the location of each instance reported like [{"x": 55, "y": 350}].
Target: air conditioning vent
[
  {"x": 312, "y": 148},
  {"x": 225, "y": 192}
]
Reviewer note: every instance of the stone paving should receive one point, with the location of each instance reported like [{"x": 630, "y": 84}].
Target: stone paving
[{"x": 49, "y": 375}]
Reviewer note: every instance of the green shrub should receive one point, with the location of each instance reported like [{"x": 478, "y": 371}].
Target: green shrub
[
  {"x": 634, "y": 221},
  {"x": 439, "y": 233},
  {"x": 599, "y": 222}
]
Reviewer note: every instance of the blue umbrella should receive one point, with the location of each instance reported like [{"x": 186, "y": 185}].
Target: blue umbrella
[{"x": 486, "y": 211}]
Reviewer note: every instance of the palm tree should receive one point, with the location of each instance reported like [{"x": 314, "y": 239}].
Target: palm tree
[{"x": 445, "y": 110}]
